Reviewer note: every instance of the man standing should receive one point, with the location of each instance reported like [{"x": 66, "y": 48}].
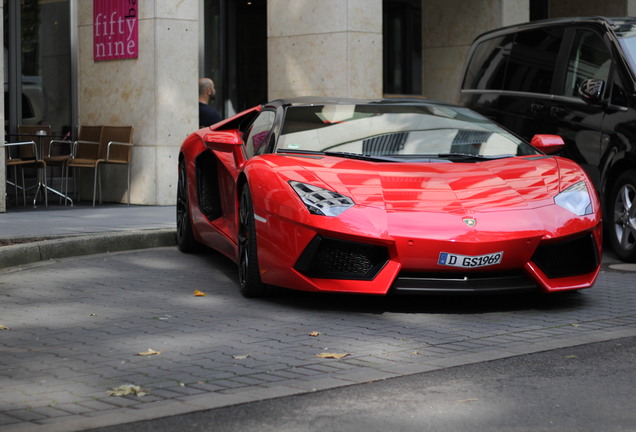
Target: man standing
[{"x": 207, "y": 114}]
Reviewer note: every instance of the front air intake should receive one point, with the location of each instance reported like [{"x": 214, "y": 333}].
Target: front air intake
[
  {"x": 572, "y": 257},
  {"x": 339, "y": 259}
]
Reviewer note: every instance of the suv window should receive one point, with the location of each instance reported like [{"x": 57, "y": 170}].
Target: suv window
[
  {"x": 488, "y": 64},
  {"x": 589, "y": 58},
  {"x": 533, "y": 60}
]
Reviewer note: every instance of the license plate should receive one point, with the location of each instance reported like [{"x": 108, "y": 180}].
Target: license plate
[{"x": 467, "y": 261}]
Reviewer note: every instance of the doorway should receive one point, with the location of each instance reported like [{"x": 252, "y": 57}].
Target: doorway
[
  {"x": 37, "y": 65},
  {"x": 234, "y": 52}
]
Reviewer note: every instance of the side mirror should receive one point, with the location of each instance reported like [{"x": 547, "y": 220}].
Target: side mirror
[
  {"x": 547, "y": 143},
  {"x": 225, "y": 141},
  {"x": 591, "y": 90},
  {"x": 230, "y": 141}
]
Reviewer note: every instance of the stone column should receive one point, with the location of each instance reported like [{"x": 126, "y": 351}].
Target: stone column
[
  {"x": 156, "y": 93},
  {"x": 448, "y": 29},
  {"x": 324, "y": 48}
]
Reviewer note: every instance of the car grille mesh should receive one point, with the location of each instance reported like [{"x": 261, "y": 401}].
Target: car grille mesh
[{"x": 338, "y": 259}]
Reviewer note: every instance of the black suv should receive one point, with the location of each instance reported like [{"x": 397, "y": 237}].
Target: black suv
[{"x": 576, "y": 78}]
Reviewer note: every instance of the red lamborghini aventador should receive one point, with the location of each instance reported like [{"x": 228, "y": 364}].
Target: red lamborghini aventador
[{"x": 382, "y": 196}]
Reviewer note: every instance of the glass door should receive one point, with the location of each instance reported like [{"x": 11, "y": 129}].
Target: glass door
[{"x": 37, "y": 60}]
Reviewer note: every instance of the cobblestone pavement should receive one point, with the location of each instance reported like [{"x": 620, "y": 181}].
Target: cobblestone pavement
[{"x": 73, "y": 329}]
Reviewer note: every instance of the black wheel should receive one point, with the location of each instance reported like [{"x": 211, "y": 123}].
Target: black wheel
[
  {"x": 185, "y": 237},
  {"x": 249, "y": 275},
  {"x": 622, "y": 214}
]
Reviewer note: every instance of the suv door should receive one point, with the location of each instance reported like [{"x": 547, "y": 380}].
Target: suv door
[
  {"x": 526, "y": 99},
  {"x": 588, "y": 56}
]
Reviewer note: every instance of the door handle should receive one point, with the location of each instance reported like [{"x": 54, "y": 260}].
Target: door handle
[
  {"x": 537, "y": 108},
  {"x": 557, "y": 111}
]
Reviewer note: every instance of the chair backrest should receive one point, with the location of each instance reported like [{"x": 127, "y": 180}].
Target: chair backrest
[
  {"x": 122, "y": 134},
  {"x": 40, "y": 134},
  {"x": 92, "y": 134}
]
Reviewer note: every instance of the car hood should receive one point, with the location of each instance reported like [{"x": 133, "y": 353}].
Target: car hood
[{"x": 444, "y": 186}]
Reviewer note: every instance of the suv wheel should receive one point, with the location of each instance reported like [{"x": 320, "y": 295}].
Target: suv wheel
[{"x": 622, "y": 214}]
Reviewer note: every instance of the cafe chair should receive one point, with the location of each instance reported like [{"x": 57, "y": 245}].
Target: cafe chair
[
  {"x": 23, "y": 155},
  {"x": 119, "y": 144},
  {"x": 114, "y": 147},
  {"x": 84, "y": 153}
]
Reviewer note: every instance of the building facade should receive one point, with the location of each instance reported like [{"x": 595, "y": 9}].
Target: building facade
[{"x": 254, "y": 50}]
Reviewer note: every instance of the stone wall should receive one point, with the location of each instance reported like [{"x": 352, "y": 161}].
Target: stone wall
[{"x": 324, "y": 48}]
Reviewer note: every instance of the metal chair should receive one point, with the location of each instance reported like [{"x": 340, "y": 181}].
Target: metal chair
[
  {"x": 114, "y": 147},
  {"x": 24, "y": 155}
]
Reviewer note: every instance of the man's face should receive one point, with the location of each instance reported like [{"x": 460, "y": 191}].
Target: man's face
[{"x": 212, "y": 92}]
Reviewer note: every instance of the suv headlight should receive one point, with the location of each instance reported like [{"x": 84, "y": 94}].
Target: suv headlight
[
  {"x": 321, "y": 201},
  {"x": 576, "y": 198}
]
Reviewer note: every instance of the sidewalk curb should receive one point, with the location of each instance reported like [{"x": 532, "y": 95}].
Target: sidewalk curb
[{"x": 57, "y": 248}]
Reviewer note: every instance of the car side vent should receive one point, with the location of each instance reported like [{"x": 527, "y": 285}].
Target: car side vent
[
  {"x": 572, "y": 257},
  {"x": 339, "y": 259},
  {"x": 208, "y": 186}
]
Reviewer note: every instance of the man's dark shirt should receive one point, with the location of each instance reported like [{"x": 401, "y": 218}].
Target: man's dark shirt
[{"x": 208, "y": 115}]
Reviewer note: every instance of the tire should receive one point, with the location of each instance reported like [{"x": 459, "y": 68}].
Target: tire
[
  {"x": 622, "y": 216},
  {"x": 250, "y": 283},
  {"x": 185, "y": 237}
]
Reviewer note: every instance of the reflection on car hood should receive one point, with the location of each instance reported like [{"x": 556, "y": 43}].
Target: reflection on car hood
[{"x": 499, "y": 184}]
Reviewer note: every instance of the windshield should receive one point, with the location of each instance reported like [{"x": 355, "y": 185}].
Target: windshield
[
  {"x": 396, "y": 131},
  {"x": 626, "y": 33}
]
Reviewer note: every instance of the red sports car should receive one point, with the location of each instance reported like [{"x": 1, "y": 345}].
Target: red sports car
[{"x": 382, "y": 196}]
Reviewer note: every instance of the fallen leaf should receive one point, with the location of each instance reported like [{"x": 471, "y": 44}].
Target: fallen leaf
[
  {"x": 3, "y": 327},
  {"x": 242, "y": 357},
  {"x": 127, "y": 389},
  {"x": 314, "y": 334},
  {"x": 149, "y": 352},
  {"x": 571, "y": 356},
  {"x": 92, "y": 314},
  {"x": 198, "y": 293},
  {"x": 468, "y": 400},
  {"x": 575, "y": 325},
  {"x": 332, "y": 355}
]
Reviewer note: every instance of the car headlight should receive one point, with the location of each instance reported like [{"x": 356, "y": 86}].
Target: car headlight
[
  {"x": 576, "y": 198},
  {"x": 321, "y": 201}
]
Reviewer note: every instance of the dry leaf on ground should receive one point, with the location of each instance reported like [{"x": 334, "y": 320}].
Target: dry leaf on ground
[
  {"x": 198, "y": 293},
  {"x": 242, "y": 357},
  {"x": 314, "y": 334},
  {"x": 3, "y": 327},
  {"x": 332, "y": 355},
  {"x": 149, "y": 352},
  {"x": 127, "y": 389}
]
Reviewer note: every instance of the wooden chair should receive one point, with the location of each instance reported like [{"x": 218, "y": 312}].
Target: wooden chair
[
  {"x": 22, "y": 155},
  {"x": 41, "y": 134},
  {"x": 85, "y": 152},
  {"x": 119, "y": 144},
  {"x": 58, "y": 153},
  {"x": 114, "y": 147}
]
